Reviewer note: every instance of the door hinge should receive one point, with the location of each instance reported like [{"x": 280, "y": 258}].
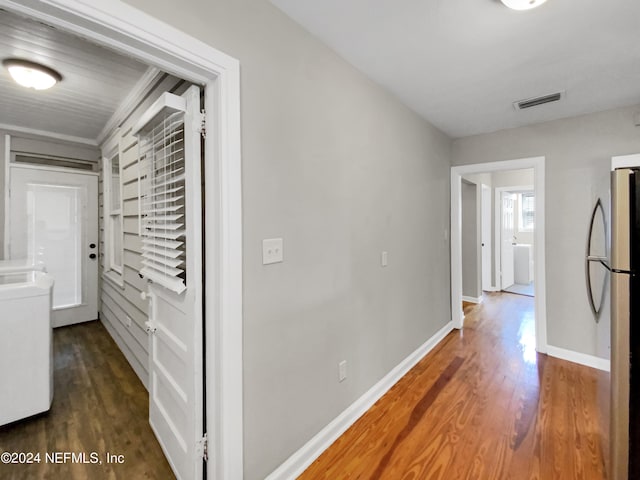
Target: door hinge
[
  {"x": 203, "y": 123},
  {"x": 203, "y": 447}
]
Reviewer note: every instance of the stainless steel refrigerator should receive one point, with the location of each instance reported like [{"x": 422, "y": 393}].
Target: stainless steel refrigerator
[{"x": 625, "y": 331}]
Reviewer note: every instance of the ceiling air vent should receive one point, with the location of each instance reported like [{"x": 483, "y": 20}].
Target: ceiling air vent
[{"x": 532, "y": 102}]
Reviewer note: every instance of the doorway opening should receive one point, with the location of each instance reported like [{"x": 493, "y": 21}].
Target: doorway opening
[
  {"x": 129, "y": 31},
  {"x": 471, "y": 187},
  {"x": 515, "y": 212}
]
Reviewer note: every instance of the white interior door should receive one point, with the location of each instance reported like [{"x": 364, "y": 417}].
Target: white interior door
[
  {"x": 507, "y": 238},
  {"x": 486, "y": 237},
  {"x": 54, "y": 220},
  {"x": 175, "y": 313}
]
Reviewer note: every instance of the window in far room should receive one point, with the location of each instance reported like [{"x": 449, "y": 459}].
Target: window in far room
[{"x": 526, "y": 212}]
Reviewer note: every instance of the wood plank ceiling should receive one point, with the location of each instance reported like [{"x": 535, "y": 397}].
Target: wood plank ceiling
[{"x": 95, "y": 80}]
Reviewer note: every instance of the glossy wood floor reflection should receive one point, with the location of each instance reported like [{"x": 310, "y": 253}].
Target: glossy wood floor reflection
[
  {"x": 482, "y": 405},
  {"x": 99, "y": 405}
]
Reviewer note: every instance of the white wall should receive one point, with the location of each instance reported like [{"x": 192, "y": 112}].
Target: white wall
[
  {"x": 471, "y": 260},
  {"x": 510, "y": 178},
  {"x": 578, "y": 155},
  {"x": 341, "y": 170}
]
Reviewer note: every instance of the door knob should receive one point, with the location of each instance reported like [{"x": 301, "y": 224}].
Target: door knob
[{"x": 92, "y": 256}]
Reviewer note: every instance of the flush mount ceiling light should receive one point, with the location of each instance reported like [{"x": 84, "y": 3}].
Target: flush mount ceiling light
[
  {"x": 31, "y": 74},
  {"x": 523, "y": 4}
]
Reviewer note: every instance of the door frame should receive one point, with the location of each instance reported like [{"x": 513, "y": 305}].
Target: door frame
[
  {"x": 498, "y": 228},
  {"x": 126, "y": 29},
  {"x": 486, "y": 215},
  {"x": 538, "y": 165}
]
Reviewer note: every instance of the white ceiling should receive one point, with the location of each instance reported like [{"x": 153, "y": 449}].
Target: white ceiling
[
  {"x": 460, "y": 64},
  {"x": 95, "y": 80}
]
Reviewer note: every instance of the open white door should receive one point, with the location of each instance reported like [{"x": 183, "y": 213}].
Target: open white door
[
  {"x": 485, "y": 218},
  {"x": 507, "y": 239},
  {"x": 54, "y": 220},
  {"x": 170, "y": 165}
]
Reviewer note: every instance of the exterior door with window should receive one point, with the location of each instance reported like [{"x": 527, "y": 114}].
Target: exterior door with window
[
  {"x": 170, "y": 168},
  {"x": 54, "y": 220}
]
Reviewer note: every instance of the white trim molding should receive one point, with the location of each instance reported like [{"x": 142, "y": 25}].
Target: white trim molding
[
  {"x": 124, "y": 28},
  {"x": 46, "y": 134},
  {"x": 471, "y": 299},
  {"x": 300, "y": 460},
  {"x": 579, "y": 358},
  {"x": 7, "y": 182},
  {"x": 142, "y": 87},
  {"x": 538, "y": 165},
  {"x": 625, "y": 161}
]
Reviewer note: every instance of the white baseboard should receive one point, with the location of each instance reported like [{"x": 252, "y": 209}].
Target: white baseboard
[
  {"x": 305, "y": 456},
  {"x": 580, "y": 358},
  {"x": 471, "y": 299},
  {"x": 491, "y": 289}
]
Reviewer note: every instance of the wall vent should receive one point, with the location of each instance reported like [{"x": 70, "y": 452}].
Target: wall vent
[
  {"x": 52, "y": 161},
  {"x": 533, "y": 102}
]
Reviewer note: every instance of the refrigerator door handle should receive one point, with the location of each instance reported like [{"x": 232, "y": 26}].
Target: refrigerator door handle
[{"x": 594, "y": 258}]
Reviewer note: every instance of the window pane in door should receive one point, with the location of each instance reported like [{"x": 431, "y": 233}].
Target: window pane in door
[
  {"x": 54, "y": 237},
  {"x": 527, "y": 211}
]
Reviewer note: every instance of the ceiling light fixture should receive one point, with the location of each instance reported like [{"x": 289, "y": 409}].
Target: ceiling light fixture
[
  {"x": 523, "y": 4},
  {"x": 31, "y": 74}
]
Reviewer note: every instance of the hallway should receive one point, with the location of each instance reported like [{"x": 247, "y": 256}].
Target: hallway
[
  {"x": 99, "y": 406},
  {"x": 482, "y": 405}
]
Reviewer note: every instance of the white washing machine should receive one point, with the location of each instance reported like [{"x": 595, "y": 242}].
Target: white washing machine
[{"x": 26, "y": 345}]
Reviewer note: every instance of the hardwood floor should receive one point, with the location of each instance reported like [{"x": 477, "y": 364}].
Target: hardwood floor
[
  {"x": 99, "y": 406},
  {"x": 482, "y": 405}
]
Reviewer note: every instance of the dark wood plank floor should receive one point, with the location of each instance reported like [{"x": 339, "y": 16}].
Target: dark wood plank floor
[
  {"x": 99, "y": 406},
  {"x": 482, "y": 405}
]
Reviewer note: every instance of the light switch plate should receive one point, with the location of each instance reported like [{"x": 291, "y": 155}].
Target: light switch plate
[
  {"x": 384, "y": 259},
  {"x": 272, "y": 251},
  {"x": 342, "y": 370}
]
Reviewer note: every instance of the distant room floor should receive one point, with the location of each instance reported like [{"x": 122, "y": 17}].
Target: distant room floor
[
  {"x": 99, "y": 405},
  {"x": 482, "y": 405},
  {"x": 521, "y": 289}
]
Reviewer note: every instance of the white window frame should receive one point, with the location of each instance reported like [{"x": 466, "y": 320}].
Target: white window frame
[
  {"x": 112, "y": 270},
  {"x": 521, "y": 225}
]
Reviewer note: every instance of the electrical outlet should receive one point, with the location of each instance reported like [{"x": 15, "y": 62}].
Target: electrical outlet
[
  {"x": 384, "y": 259},
  {"x": 272, "y": 251},
  {"x": 127, "y": 321},
  {"x": 342, "y": 370}
]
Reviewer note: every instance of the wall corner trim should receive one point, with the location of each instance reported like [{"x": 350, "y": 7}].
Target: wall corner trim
[
  {"x": 305, "y": 456},
  {"x": 580, "y": 358}
]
